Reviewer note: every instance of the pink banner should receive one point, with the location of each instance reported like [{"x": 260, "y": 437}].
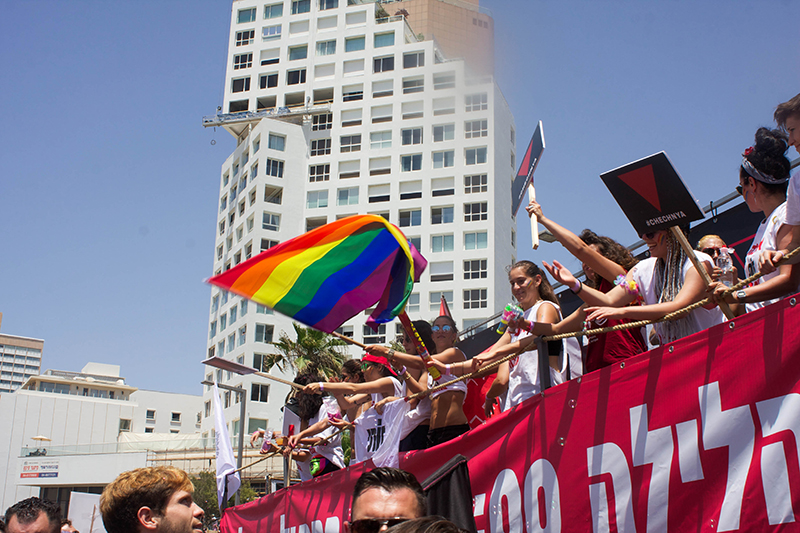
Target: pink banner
[{"x": 700, "y": 435}]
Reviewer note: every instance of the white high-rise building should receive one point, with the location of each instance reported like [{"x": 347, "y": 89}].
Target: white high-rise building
[{"x": 340, "y": 109}]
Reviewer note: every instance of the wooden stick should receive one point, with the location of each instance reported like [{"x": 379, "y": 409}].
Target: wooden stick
[
  {"x": 534, "y": 218},
  {"x": 676, "y": 231},
  {"x": 348, "y": 340},
  {"x": 279, "y": 380}
]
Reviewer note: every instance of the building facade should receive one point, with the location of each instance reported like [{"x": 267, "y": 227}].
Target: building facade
[
  {"x": 20, "y": 359},
  {"x": 340, "y": 108},
  {"x": 60, "y": 432}
]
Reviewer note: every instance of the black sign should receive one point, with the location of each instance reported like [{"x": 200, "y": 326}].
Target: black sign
[
  {"x": 527, "y": 168},
  {"x": 652, "y": 194}
]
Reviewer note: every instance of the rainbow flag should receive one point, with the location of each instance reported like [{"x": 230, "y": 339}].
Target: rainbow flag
[{"x": 328, "y": 275}]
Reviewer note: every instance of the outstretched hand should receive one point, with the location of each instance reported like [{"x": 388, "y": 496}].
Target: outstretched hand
[{"x": 560, "y": 273}]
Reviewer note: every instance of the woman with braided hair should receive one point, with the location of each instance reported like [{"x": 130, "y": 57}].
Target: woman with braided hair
[{"x": 663, "y": 283}]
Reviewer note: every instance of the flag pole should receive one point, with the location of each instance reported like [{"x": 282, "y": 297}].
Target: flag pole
[{"x": 534, "y": 218}]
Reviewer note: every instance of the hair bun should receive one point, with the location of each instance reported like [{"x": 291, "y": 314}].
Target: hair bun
[{"x": 771, "y": 142}]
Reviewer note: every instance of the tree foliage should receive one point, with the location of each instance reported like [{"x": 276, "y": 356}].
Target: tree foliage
[
  {"x": 314, "y": 351},
  {"x": 205, "y": 495}
]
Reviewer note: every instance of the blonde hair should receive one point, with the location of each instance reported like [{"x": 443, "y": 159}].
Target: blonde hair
[{"x": 144, "y": 487}]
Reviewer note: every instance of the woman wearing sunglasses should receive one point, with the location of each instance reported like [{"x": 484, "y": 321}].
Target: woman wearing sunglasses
[
  {"x": 663, "y": 283},
  {"x": 763, "y": 180},
  {"x": 447, "y": 418}
]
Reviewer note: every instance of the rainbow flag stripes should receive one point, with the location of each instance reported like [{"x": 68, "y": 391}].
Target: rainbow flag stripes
[{"x": 326, "y": 276}]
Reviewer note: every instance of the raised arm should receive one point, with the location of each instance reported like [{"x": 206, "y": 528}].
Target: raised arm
[
  {"x": 616, "y": 297},
  {"x": 603, "y": 266}
]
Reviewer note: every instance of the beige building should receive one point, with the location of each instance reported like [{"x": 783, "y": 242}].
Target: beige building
[
  {"x": 20, "y": 359},
  {"x": 461, "y": 28}
]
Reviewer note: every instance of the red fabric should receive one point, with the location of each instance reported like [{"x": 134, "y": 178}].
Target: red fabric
[
  {"x": 701, "y": 434},
  {"x": 615, "y": 346},
  {"x": 476, "y": 397}
]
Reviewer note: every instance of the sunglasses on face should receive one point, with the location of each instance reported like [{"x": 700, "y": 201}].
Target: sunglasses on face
[
  {"x": 373, "y": 525},
  {"x": 444, "y": 328},
  {"x": 739, "y": 189},
  {"x": 649, "y": 236},
  {"x": 365, "y": 366},
  {"x": 713, "y": 252}
]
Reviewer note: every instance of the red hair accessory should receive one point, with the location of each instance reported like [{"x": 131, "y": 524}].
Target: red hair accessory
[
  {"x": 748, "y": 151},
  {"x": 379, "y": 360}
]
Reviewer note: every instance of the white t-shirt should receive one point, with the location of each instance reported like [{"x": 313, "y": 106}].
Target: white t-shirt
[
  {"x": 644, "y": 276},
  {"x": 793, "y": 200},
  {"x": 370, "y": 430},
  {"x": 332, "y": 451},
  {"x": 766, "y": 239},
  {"x": 523, "y": 379}
]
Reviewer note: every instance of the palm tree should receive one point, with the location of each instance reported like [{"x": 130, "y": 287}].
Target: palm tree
[{"x": 314, "y": 351}]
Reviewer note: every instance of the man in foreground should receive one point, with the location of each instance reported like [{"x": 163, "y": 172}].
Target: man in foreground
[
  {"x": 382, "y": 498},
  {"x": 151, "y": 500},
  {"x": 33, "y": 515}
]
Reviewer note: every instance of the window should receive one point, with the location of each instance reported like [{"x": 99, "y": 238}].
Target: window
[
  {"x": 124, "y": 423},
  {"x": 475, "y": 269},
  {"x": 444, "y": 106},
  {"x": 476, "y": 128},
  {"x": 350, "y": 143},
  {"x": 243, "y": 38},
  {"x": 381, "y": 113},
  {"x": 409, "y": 163},
  {"x": 176, "y": 417},
  {"x": 442, "y": 187},
  {"x": 379, "y": 193},
  {"x": 380, "y": 165},
  {"x": 412, "y": 306},
  {"x": 301, "y": 6},
  {"x": 320, "y": 147},
  {"x": 267, "y": 81},
  {"x": 274, "y": 168},
  {"x": 414, "y": 59},
  {"x": 476, "y": 102},
  {"x": 271, "y": 221},
  {"x": 382, "y": 64},
  {"x": 349, "y": 169},
  {"x": 328, "y": 4},
  {"x": 444, "y": 132},
  {"x": 384, "y": 39},
  {"x": 223, "y": 321},
  {"x": 348, "y": 196},
  {"x": 444, "y": 80},
  {"x": 273, "y": 11},
  {"x": 256, "y": 147},
  {"x": 476, "y": 183},
  {"x": 444, "y": 159},
  {"x": 259, "y": 392},
  {"x": 413, "y": 85},
  {"x": 352, "y": 117},
  {"x": 264, "y": 333},
  {"x": 248, "y": 249},
  {"x": 293, "y": 77},
  {"x": 246, "y": 15},
  {"x": 242, "y": 61},
  {"x": 435, "y": 299},
  {"x": 298, "y": 52},
  {"x": 270, "y": 33},
  {"x": 226, "y": 399},
  {"x": 243, "y": 307},
  {"x": 219, "y": 252},
  {"x": 354, "y": 44},
  {"x": 380, "y": 139},
  {"x": 351, "y": 93},
  {"x": 231, "y": 342},
  {"x": 476, "y": 240},
  {"x": 475, "y": 156},
  {"x": 276, "y": 142},
  {"x": 319, "y": 173},
  {"x": 322, "y": 122},
  {"x": 266, "y": 244},
  {"x": 475, "y": 299},
  {"x": 441, "y": 215},
  {"x": 374, "y": 337},
  {"x": 149, "y": 430},
  {"x": 316, "y": 222},
  {"x": 476, "y": 211},
  {"x": 273, "y": 195},
  {"x": 233, "y": 312},
  {"x": 411, "y": 217},
  {"x": 442, "y": 243},
  {"x": 150, "y": 416},
  {"x": 411, "y": 136},
  {"x": 317, "y": 199},
  {"x": 208, "y": 409},
  {"x": 382, "y": 88},
  {"x": 260, "y": 362},
  {"x": 212, "y": 330},
  {"x": 442, "y": 271},
  {"x": 326, "y": 48},
  {"x": 240, "y": 85}
]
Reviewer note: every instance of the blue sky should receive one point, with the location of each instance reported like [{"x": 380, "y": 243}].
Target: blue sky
[{"x": 110, "y": 182}]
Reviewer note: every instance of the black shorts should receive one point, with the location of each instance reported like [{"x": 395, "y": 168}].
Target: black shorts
[{"x": 440, "y": 435}]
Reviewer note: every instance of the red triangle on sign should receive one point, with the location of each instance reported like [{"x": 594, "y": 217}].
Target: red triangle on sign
[
  {"x": 526, "y": 162},
  {"x": 643, "y": 182}
]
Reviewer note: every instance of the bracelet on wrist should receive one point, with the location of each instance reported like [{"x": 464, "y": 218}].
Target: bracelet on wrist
[
  {"x": 576, "y": 287},
  {"x": 321, "y": 386},
  {"x": 390, "y": 354}
]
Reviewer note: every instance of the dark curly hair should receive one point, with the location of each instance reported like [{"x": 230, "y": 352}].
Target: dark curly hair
[
  {"x": 610, "y": 249},
  {"x": 308, "y": 404},
  {"x": 27, "y": 511},
  {"x": 768, "y": 158}
]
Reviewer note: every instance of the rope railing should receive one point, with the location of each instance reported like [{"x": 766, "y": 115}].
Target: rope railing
[{"x": 637, "y": 324}]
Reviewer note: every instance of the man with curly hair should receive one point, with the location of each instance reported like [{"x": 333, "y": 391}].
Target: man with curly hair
[{"x": 151, "y": 500}]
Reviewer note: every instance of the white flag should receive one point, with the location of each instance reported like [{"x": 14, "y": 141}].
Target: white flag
[{"x": 226, "y": 463}]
